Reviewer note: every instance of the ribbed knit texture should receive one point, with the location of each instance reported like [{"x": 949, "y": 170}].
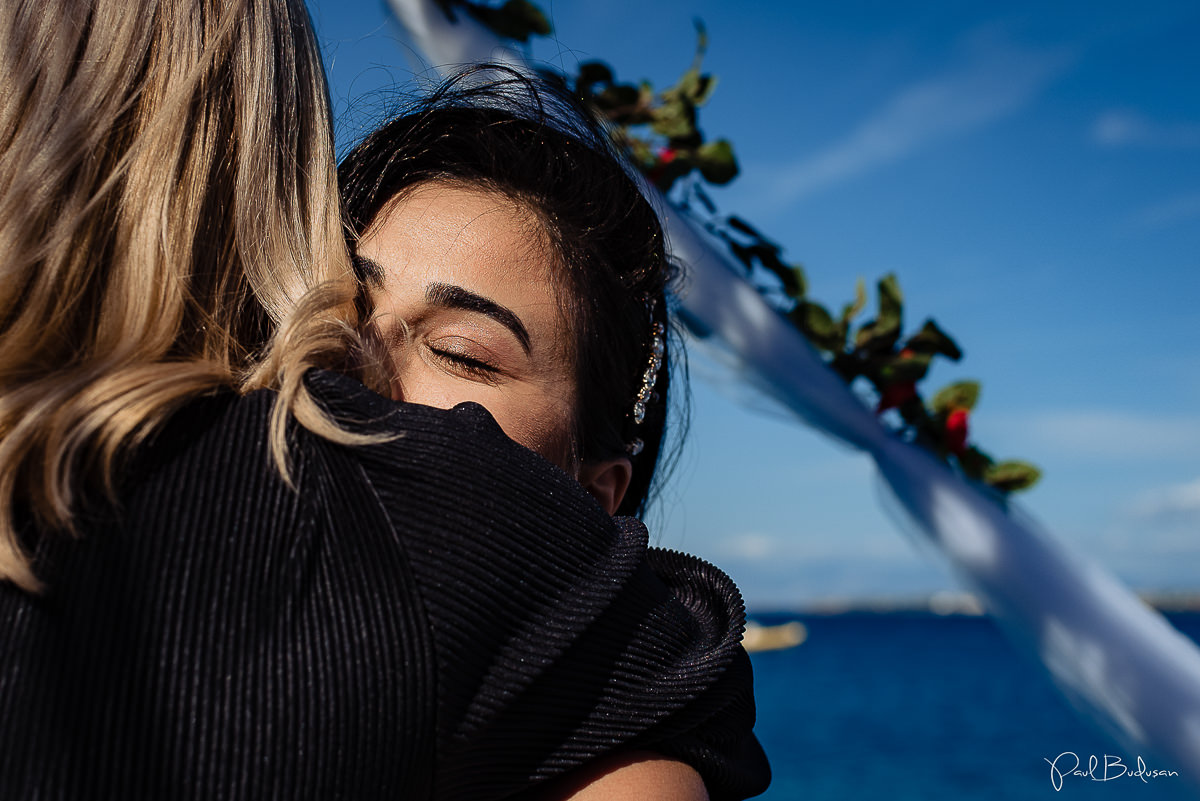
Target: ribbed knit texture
[{"x": 445, "y": 615}]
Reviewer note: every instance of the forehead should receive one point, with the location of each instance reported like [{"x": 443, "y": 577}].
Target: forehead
[
  {"x": 474, "y": 237},
  {"x": 461, "y": 227}
]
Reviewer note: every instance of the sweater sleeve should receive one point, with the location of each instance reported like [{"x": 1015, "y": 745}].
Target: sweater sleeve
[
  {"x": 558, "y": 637},
  {"x": 219, "y": 635}
]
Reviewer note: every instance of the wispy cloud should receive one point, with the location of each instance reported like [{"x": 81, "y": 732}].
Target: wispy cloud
[
  {"x": 1123, "y": 128},
  {"x": 783, "y": 583},
  {"x": 752, "y": 547},
  {"x": 1178, "y": 503},
  {"x": 992, "y": 80},
  {"x": 1106, "y": 434},
  {"x": 1165, "y": 214},
  {"x": 1154, "y": 538},
  {"x": 758, "y": 547}
]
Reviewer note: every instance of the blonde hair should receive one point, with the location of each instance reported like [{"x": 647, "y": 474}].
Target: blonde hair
[{"x": 169, "y": 224}]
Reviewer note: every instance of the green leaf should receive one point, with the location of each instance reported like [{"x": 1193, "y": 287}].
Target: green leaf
[
  {"x": 852, "y": 310},
  {"x": 717, "y": 162},
  {"x": 529, "y": 15},
  {"x": 881, "y": 334},
  {"x": 593, "y": 72},
  {"x": 799, "y": 280},
  {"x": 701, "y": 37},
  {"x": 974, "y": 463},
  {"x": 931, "y": 339},
  {"x": 674, "y": 120},
  {"x": 694, "y": 86},
  {"x": 689, "y": 141},
  {"x": 876, "y": 336},
  {"x": 960, "y": 395},
  {"x": 891, "y": 301},
  {"x": 516, "y": 19},
  {"x": 689, "y": 85},
  {"x": 905, "y": 368},
  {"x": 615, "y": 96},
  {"x": 641, "y": 151},
  {"x": 646, "y": 98},
  {"x": 708, "y": 85},
  {"x": 816, "y": 324},
  {"x": 1012, "y": 476}
]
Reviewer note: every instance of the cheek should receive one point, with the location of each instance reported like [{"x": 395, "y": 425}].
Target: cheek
[
  {"x": 415, "y": 381},
  {"x": 552, "y": 442},
  {"x": 541, "y": 421},
  {"x": 539, "y": 417}
]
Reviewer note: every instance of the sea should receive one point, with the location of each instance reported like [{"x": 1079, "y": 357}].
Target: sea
[{"x": 900, "y": 706}]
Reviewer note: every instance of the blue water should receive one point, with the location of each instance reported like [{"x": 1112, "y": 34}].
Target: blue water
[{"x": 915, "y": 706}]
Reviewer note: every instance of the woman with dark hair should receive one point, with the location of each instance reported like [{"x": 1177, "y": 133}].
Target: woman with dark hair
[
  {"x": 500, "y": 195},
  {"x": 512, "y": 261}
]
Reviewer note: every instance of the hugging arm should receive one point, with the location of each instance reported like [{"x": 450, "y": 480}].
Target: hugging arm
[{"x": 561, "y": 643}]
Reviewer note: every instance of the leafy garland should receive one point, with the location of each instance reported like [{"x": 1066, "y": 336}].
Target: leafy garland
[{"x": 659, "y": 133}]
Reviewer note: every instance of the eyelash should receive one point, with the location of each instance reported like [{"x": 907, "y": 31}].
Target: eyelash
[{"x": 471, "y": 366}]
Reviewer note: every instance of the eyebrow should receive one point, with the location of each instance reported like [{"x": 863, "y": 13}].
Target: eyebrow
[{"x": 449, "y": 296}]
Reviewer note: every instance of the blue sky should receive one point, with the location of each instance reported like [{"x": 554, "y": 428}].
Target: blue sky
[{"x": 1032, "y": 175}]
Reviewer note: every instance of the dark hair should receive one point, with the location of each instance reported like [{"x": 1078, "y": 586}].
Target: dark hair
[{"x": 527, "y": 140}]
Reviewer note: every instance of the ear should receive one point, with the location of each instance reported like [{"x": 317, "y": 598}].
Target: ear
[{"x": 607, "y": 480}]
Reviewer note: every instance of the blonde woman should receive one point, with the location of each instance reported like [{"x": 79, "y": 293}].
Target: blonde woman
[{"x": 231, "y": 570}]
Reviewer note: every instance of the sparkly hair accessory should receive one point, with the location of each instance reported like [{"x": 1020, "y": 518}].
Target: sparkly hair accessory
[
  {"x": 650, "y": 377},
  {"x": 646, "y": 394}
]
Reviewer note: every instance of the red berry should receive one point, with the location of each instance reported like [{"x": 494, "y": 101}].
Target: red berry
[
  {"x": 658, "y": 172},
  {"x": 956, "y": 431}
]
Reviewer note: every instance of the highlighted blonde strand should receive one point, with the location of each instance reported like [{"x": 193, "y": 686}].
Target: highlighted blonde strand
[{"x": 169, "y": 225}]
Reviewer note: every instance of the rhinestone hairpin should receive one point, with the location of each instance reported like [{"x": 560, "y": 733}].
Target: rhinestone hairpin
[{"x": 650, "y": 377}]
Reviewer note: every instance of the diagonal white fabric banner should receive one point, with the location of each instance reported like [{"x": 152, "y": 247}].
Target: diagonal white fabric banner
[{"x": 1115, "y": 658}]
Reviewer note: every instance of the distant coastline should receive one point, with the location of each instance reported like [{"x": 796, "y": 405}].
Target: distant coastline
[{"x": 944, "y": 604}]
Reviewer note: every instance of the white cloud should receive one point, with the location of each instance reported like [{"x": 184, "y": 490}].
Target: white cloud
[
  {"x": 994, "y": 81},
  {"x": 784, "y": 584},
  {"x": 753, "y": 547},
  {"x": 1122, "y": 128},
  {"x": 795, "y": 548},
  {"x": 1169, "y": 212},
  {"x": 1153, "y": 540},
  {"x": 1106, "y": 434},
  {"x": 1172, "y": 504}
]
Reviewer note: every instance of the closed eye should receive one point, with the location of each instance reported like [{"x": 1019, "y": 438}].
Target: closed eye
[{"x": 469, "y": 366}]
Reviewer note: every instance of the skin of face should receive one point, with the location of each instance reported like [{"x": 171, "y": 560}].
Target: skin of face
[{"x": 469, "y": 307}]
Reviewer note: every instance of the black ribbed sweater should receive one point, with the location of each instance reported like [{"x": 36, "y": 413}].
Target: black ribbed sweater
[{"x": 445, "y": 615}]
